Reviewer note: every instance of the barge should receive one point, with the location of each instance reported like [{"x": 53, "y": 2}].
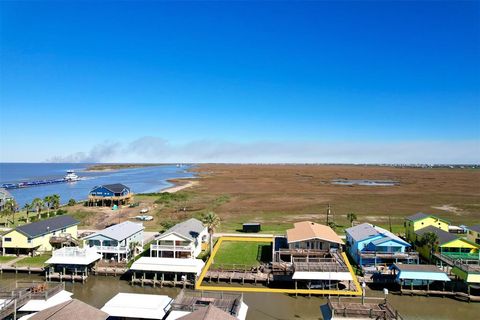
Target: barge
[{"x": 71, "y": 176}]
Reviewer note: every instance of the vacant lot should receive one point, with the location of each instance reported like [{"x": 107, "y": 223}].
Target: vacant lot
[{"x": 248, "y": 254}]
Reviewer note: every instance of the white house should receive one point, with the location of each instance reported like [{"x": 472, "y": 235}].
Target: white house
[
  {"x": 184, "y": 240},
  {"x": 118, "y": 241}
]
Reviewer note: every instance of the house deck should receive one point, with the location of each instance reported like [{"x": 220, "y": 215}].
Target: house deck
[
  {"x": 375, "y": 308},
  {"x": 193, "y": 300}
]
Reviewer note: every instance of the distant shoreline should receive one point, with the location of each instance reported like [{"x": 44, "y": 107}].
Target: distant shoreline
[
  {"x": 119, "y": 166},
  {"x": 180, "y": 184}
]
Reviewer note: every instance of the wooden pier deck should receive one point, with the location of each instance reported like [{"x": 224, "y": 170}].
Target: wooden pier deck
[
  {"x": 26, "y": 269},
  {"x": 109, "y": 271},
  {"x": 237, "y": 276},
  {"x": 162, "y": 283},
  {"x": 439, "y": 293},
  {"x": 57, "y": 276},
  {"x": 355, "y": 308}
]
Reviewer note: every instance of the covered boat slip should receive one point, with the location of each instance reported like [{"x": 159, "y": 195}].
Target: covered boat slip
[
  {"x": 418, "y": 274},
  {"x": 357, "y": 308},
  {"x": 166, "y": 271},
  {"x": 138, "y": 306},
  {"x": 71, "y": 263}
]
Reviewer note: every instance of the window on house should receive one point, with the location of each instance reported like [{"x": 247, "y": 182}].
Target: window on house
[
  {"x": 29, "y": 240},
  {"x": 8, "y": 239}
]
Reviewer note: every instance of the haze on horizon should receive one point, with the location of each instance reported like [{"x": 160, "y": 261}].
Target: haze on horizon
[{"x": 320, "y": 82}]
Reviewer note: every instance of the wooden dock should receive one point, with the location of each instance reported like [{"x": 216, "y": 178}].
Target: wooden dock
[
  {"x": 439, "y": 293},
  {"x": 109, "y": 271},
  {"x": 57, "y": 276},
  {"x": 26, "y": 269},
  {"x": 237, "y": 276},
  {"x": 357, "y": 308},
  {"x": 162, "y": 283}
]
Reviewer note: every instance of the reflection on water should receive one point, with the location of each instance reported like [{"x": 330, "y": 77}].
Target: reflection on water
[
  {"x": 269, "y": 306},
  {"x": 363, "y": 182}
]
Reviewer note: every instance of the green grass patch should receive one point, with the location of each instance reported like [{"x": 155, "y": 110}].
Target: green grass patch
[
  {"x": 37, "y": 261},
  {"x": 5, "y": 259},
  {"x": 250, "y": 254}
]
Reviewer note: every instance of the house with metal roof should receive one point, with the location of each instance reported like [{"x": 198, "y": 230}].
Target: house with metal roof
[
  {"x": 118, "y": 241},
  {"x": 418, "y": 274},
  {"x": 36, "y": 236},
  {"x": 183, "y": 240},
  {"x": 371, "y": 245},
  {"x": 447, "y": 244},
  {"x": 110, "y": 195},
  {"x": 421, "y": 220}
]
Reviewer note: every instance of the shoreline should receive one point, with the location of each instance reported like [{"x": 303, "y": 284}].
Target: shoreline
[{"x": 180, "y": 184}]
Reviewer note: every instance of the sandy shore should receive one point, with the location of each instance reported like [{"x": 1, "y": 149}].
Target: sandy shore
[{"x": 185, "y": 184}]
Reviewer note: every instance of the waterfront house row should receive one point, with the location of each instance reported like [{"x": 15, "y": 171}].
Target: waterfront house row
[
  {"x": 110, "y": 195},
  {"x": 117, "y": 242},
  {"x": 41, "y": 236},
  {"x": 371, "y": 245},
  {"x": 183, "y": 240}
]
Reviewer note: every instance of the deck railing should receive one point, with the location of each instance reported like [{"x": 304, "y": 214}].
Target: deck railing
[
  {"x": 375, "y": 308},
  {"x": 162, "y": 247},
  {"x": 389, "y": 255},
  {"x": 111, "y": 249}
]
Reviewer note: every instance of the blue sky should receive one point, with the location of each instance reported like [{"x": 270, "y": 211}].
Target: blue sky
[{"x": 240, "y": 81}]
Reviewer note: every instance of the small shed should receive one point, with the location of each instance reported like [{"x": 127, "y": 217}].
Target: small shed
[{"x": 251, "y": 227}]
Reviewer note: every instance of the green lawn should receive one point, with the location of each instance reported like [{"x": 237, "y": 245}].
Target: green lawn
[
  {"x": 249, "y": 254},
  {"x": 5, "y": 259},
  {"x": 37, "y": 261}
]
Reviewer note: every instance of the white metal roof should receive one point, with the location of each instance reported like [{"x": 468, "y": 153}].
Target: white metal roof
[
  {"x": 337, "y": 276},
  {"x": 119, "y": 231},
  {"x": 74, "y": 256},
  {"x": 134, "y": 305},
  {"x": 39, "y": 305},
  {"x": 168, "y": 265}
]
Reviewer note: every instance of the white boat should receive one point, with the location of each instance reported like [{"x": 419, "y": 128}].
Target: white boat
[{"x": 71, "y": 176}]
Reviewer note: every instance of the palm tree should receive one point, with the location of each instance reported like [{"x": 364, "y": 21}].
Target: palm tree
[
  {"x": 10, "y": 208},
  {"x": 212, "y": 221},
  {"x": 38, "y": 204},
  {"x": 351, "y": 217},
  {"x": 55, "y": 201},
  {"x": 48, "y": 204},
  {"x": 27, "y": 207},
  {"x": 429, "y": 239}
]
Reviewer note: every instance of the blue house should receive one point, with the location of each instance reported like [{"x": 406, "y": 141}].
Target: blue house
[
  {"x": 371, "y": 245},
  {"x": 110, "y": 195}
]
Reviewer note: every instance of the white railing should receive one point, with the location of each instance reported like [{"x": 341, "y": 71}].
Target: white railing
[
  {"x": 70, "y": 252},
  {"x": 111, "y": 249},
  {"x": 159, "y": 247}
]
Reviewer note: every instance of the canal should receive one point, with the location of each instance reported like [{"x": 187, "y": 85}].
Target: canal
[{"x": 266, "y": 306}]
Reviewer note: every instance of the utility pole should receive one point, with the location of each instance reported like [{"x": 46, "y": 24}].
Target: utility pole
[{"x": 329, "y": 213}]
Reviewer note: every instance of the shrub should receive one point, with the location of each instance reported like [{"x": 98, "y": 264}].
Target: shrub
[{"x": 72, "y": 202}]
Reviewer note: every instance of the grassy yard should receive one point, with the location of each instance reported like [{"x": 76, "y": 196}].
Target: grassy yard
[
  {"x": 243, "y": 253},
  {"x": 37, "y": 261},
  {"x": 5, "y": 259}
]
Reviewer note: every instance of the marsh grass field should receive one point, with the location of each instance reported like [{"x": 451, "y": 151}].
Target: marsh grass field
[{"x": 279, "y": 195}]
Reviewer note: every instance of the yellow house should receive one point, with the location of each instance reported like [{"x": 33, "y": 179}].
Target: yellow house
[
  {"x": 421, "y": 220},
  {"x": 36, "y": 236},
  {"x": 473, "y": 234},
  {"x": 447, "y": 244}
]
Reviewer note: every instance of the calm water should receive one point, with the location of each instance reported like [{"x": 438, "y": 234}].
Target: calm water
[
  {"x": 148, "y": 179},
  {"x": 98, "y": 290}
]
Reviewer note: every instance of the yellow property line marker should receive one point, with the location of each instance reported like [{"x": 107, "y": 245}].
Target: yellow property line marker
[{"x": 199, "y": 286}]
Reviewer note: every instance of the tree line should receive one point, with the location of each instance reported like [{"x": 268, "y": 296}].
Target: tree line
[{"x": 48, "y": 203}]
